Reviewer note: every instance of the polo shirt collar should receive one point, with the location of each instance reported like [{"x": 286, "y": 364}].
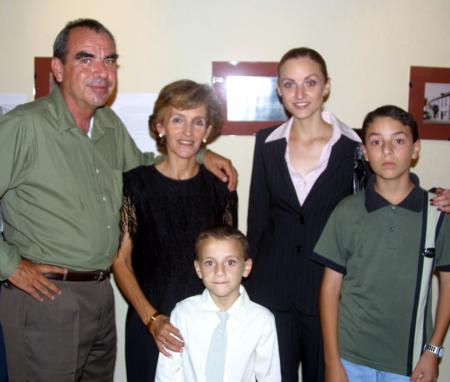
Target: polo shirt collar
[{"x": 374, "y": 201}]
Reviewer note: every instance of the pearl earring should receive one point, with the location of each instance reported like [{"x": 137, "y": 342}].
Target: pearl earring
[
  {"x": 160, "y": 135},
  {"x": 204, "y": 140}
]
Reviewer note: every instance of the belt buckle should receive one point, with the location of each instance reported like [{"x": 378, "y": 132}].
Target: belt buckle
[
  {"x": 100, "y": 276},
  {"x": 6, "y": 284}
]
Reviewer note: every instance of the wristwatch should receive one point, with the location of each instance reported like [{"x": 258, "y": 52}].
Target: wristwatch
[{"x": 436, "y": 350}]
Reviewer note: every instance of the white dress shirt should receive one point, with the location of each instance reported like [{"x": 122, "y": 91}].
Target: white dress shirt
[
  {"x": 304, "y": 184},
  {"x": 252, "y": 345}
]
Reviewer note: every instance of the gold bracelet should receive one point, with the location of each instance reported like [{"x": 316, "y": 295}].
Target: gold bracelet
[{"x": 152, "y": 319}]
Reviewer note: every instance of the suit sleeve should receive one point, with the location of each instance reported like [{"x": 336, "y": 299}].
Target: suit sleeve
[
  {"x": 443, "y": 244},
  {"x": 258, "y": 206}
]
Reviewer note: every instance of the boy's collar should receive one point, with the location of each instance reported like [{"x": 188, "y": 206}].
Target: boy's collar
[
  {"x": 209, "y": 304},
  {"x": 375, "y": 201}
]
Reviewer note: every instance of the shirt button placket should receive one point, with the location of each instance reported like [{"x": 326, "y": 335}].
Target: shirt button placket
[{"x": 392, "y": 228}]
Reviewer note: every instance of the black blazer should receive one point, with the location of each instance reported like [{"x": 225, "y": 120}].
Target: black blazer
[{"x": 282, "y": 234}]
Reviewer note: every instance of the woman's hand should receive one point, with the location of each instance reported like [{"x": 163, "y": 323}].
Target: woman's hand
[
  {"x": 442, "y": 199},
  {"x": 166, "y": 336}
]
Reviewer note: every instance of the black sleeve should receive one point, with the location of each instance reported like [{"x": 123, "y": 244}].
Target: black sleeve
[
  {"x": 259, "y": 200},
  {"x": 230, "y": 212},
  {"x": 128, "y": 218}
]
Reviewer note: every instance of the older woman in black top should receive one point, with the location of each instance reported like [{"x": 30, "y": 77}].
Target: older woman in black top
[{"x": 164, "y": 208}]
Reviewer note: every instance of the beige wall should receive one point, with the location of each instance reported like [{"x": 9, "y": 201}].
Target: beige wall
[{"x": 369, "y": 47}]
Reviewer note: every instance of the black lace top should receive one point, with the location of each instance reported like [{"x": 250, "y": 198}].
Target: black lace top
[{"x": 163, "y": 217}]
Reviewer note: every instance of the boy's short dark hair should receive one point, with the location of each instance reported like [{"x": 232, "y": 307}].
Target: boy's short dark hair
[
  {"x": 395, "y": 113},
  {"x": 222, "y": 232}
]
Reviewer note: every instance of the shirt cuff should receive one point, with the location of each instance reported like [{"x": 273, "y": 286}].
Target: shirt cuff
[{"x": 328, "y": 263}]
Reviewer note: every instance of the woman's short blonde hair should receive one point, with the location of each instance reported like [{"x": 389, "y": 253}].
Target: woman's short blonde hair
[{"x": 185, "y": 95}]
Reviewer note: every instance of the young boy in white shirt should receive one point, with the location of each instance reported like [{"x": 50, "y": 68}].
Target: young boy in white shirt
[{"x": 243, "y": 348}]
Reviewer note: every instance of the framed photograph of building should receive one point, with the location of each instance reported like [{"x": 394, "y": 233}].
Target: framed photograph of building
[
  {"x": 248, "y": 96},
  {"x": 429, "y": 101}
]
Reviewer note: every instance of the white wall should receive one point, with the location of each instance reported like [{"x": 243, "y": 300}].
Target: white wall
[{"x": 369, "y": 47}]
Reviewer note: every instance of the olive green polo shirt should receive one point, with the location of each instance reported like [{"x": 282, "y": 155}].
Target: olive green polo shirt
[
  {"x": 60, "y": 190},
  {"x": 377, "y": 248}
]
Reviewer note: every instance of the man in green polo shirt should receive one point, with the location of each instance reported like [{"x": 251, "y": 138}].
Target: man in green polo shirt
[{"x": 62, "y": 160}]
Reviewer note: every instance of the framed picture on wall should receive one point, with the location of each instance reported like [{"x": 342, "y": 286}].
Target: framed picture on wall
[
  {"x": 248, "y": 96},
  {"x": 43, "y": 76},
  {"x": 429, "y": 101}
]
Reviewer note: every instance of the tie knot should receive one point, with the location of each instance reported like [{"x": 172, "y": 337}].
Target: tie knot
[{"x": 223, "y": 316}]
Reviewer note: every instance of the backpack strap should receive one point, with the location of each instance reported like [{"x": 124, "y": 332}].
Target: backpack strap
[{"x": 427, "y": 258}]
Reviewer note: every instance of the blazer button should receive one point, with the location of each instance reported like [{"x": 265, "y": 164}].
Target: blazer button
[
  {"x": 299, "y": 248},
  {"x": 301, "y": 219}
]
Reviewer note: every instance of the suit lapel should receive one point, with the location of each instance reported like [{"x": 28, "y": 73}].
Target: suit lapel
[
  {"x": 276, "y": 151},
  {"x": 340, "y": 150}
]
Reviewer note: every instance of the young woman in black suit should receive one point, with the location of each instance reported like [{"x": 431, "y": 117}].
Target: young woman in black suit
[{"x": 301, "y": 170}]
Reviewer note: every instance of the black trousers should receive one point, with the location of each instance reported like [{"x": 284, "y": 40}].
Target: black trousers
[
  {"x": 300, "y": 343},
  {"x": 141, "y": 352},
  {"x": 3, "y": 369}
]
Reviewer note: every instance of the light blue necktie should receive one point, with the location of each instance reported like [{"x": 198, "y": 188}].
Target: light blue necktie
[{"x": 215, "y": 363}]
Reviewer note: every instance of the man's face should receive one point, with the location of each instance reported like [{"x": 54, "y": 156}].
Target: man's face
[{"x": 89, "y": 75}]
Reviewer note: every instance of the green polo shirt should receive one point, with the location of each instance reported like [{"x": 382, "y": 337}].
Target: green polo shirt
[
  {"x": 60, "y": 190},
  {"x": 376, "y": 246}
]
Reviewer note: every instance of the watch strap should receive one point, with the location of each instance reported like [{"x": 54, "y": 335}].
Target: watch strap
[{"x": 437, "y": 350}]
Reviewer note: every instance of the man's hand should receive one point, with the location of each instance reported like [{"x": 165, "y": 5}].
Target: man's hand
[
  {"x": 29, "y": 277},
  {"x": 222, "y": 168},
  {"x": 426, "y": 369},
  {"x": 442, "y": 199}
]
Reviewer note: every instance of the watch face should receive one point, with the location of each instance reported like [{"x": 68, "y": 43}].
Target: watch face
[{"x": 441, "y": 352}]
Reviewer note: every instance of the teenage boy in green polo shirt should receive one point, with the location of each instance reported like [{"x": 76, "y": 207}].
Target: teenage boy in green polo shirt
[{"x": 375, "y": 297}]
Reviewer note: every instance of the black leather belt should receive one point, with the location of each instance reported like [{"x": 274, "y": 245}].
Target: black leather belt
[{"x": 79, "y": 276}]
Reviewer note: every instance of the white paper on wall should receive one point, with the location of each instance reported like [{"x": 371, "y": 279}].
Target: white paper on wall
[
  {"x": 134, "y": 110},
  {"x": 9, "y": 101}
]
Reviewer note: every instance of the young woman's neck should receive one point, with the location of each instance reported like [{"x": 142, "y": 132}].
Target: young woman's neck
[
  {"x": 310, "y": 127},
  {"x": 178, "y": 168}
]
